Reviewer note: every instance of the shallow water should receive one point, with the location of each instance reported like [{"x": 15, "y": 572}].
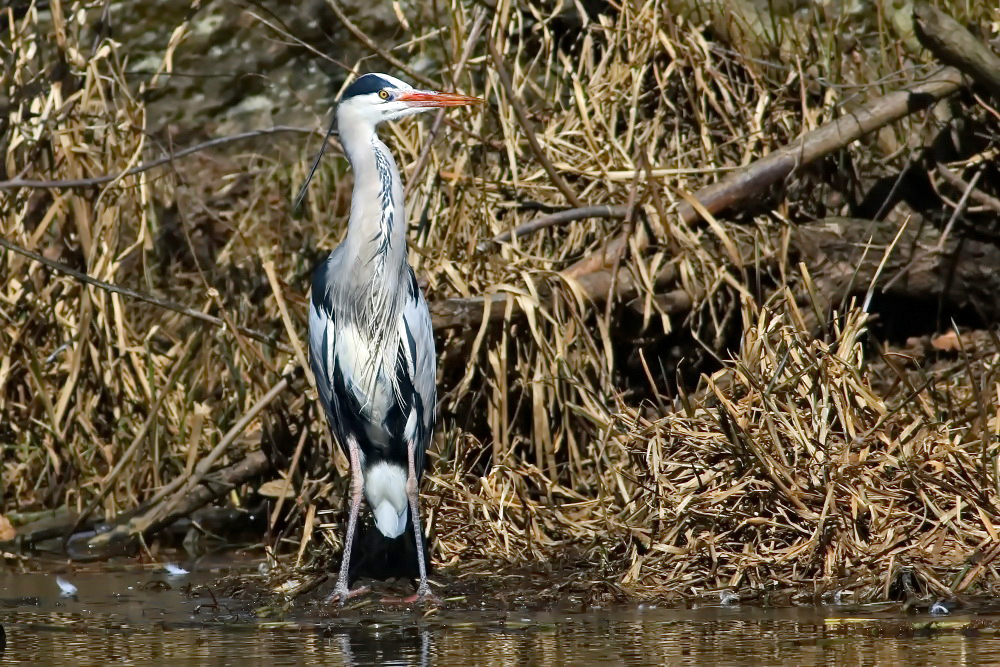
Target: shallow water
[{"x": 144, "y": 617}]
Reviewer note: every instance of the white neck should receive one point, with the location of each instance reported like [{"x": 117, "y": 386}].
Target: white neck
[{"x": 376, "y": 230}]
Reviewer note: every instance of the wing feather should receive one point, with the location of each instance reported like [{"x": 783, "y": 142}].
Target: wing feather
[{"x": 397, "y": 404}]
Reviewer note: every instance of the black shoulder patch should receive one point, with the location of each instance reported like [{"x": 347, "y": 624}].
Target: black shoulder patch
[
  {"x": 413, "y": 285},
  {"x": 364, "y": 85}
]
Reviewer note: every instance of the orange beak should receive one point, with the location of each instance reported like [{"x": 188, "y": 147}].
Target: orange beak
[{"x": 432, "y": 98}]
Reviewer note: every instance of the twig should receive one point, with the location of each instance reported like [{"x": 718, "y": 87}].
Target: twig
[
  {"x": 187, "y": 493},
  {"x": 558, "y": 218},
  {"x": 522, "y": 119},
  {"x": 146, "y": 166},
  {"x": 958, "y": 210},
  {"x": 477, "y": 29},
  {"x": 148, "y": 298},
  {"x": 281, "y": 30},
  {"x": 958, "y": 182},
  {"x": 367, "y": 41}
]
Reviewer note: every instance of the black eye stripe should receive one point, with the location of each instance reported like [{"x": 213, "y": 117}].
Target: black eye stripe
[{"x": 365, "y": 85}]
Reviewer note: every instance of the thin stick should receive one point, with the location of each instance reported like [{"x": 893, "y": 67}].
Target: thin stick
[
  {"x": 367, "y": 41},
  {"x": 977, "y": 194},
  {"x": 288, "y": 480},
  {"x": 522, "y": 119},
  {"x": 558, "y": 218},
  {"x": 272, "y": 278},
  {"x": 16, "y": 183},
  {"x": 958, "y": 210},
  {"x": 108, "y": 482},
  {"x": 148, "y": 298},
  {"x": 477, "y": 29}
]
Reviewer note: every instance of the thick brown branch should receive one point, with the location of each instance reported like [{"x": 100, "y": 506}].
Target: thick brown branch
[
  {"x": 121, "y": 538},
  {"x": 953, "y": 45},
  {"x": 740, "y": 186}
]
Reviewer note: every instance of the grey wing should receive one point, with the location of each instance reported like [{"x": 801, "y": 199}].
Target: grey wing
[{"x": 417, "y": 341}]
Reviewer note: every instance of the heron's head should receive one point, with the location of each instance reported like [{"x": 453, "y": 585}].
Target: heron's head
[{"x": 376, "y": 98}]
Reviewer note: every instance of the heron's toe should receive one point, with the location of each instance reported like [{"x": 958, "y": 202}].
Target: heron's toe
[{"x": 342, "y": 594}]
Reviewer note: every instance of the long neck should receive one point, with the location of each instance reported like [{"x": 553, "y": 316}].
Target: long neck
[
  {"x": 376, "y": 230},
  {"x": 373, "y": 264}
]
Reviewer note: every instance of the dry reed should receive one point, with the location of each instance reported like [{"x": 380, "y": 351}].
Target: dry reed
[{"x": 805, "y": 461}]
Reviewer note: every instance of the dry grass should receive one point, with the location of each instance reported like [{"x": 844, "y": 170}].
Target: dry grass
[{"x": 795, "y": 464}]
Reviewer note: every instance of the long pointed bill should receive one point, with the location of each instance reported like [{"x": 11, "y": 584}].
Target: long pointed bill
[{"x": 432, "y": 98}]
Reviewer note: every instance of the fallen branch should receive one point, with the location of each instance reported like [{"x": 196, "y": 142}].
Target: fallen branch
[
  {"x": 122, "y": 537},
  {"x": 738, "y": 187},
  {"x": 953, "y": 45},
  {"x": 187, "y": 493},
  {"x": 741, "y": 186},
  {"x": 926, "y": 264}
]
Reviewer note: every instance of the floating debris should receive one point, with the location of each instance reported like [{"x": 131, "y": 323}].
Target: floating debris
[
  {"x": 175, "y": 570},
  {"x": 940, "y": 609},
  {"x": 729, "y": 598},
  {"x": 288, "y": 586},
  {"x": 66, "y": 589}
]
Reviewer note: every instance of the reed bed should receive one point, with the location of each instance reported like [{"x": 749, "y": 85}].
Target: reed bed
[{"x": 701, "y": 420}]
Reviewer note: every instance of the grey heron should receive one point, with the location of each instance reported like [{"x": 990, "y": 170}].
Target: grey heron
[{"x": 370, "y": 338}]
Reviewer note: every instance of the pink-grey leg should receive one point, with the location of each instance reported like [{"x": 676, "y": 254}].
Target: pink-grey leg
[
  {"x": 341, "y": 592},
  {"x": 423, "y": 588}
]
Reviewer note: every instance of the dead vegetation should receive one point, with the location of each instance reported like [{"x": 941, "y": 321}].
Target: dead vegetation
[{"x": 704, "y": 382}]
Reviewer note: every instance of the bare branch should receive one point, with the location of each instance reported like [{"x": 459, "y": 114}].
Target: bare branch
[
  {"x": 16, "y": 183},
  {"x": 558, "y": 218},
  {"x": 141, "y": 296}
]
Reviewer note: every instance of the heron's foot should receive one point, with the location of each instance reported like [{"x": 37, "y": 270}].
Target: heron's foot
[
  {"x": 342, "y": 594},
  {"x": 422, "y": 596}
]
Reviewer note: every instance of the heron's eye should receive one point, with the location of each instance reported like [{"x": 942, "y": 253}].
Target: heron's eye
[{"x": 384, "y": 94}]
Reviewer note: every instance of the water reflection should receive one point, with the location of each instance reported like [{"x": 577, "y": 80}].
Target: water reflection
[
  {"x": 392, "y": 645},
  {"x": 124, "y": 618}
]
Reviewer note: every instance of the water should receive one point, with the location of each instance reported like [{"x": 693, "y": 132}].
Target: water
[{"x": 143, "y": 617}]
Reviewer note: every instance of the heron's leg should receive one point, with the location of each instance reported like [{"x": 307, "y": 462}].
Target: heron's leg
[
  {"x": 341, "y": 592},
  {"x": 423, "y": 589}
]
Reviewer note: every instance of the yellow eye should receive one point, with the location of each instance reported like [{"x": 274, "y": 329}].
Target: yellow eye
[{"x": 384, "y": 94}]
